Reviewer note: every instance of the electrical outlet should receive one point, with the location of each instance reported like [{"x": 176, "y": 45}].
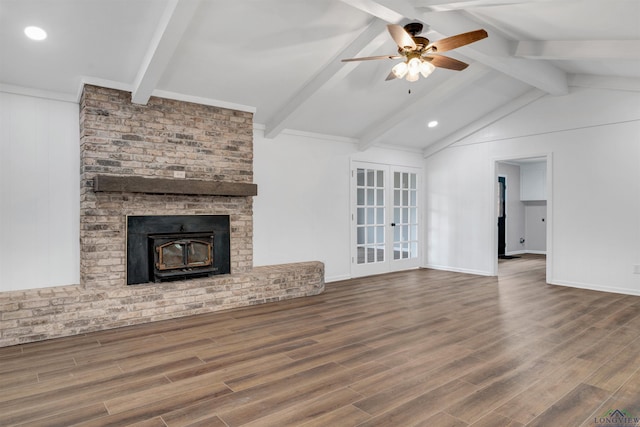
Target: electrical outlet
[
  {"x": 636, "y": 269},
  {"x": 179, "y": 174}
]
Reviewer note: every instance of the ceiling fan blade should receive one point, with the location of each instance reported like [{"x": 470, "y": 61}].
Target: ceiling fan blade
[
  {"x": 391, "y": 76},
  {"x": 370, "y": 58},
  {"x": 446, "y": 62},
  {"x": 401, "y": 37},
  {"x": 453, "y": 42}
]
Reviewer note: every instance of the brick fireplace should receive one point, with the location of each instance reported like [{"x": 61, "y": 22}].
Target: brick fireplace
[{"x": 164, "y": 158}]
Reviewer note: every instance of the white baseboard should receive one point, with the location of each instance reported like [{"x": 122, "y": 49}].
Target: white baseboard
[
  {"x": 593, "y": 287},
  {"x": 459, "y": 270},
  {"x": 330, "y": 279},
  {"x": 515, "y": 252},
  {"x": 525, "y": 252}
]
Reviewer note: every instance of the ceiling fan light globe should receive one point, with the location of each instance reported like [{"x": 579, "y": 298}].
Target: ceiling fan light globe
[
  {"x": 399, "y": 70},
  {"x": 426, "y": 68},
  {"x": 413, "y": 77},
  {"x": 414, "y": 66}
]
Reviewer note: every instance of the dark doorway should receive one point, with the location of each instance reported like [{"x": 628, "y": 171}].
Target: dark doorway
[{"x": 502, "y": 215}]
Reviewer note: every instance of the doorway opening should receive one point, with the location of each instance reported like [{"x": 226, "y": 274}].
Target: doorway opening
[{"x": 522, "y": 217}]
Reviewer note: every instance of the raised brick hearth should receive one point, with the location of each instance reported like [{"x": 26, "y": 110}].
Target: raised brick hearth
[{"x": 122, "y": 139}]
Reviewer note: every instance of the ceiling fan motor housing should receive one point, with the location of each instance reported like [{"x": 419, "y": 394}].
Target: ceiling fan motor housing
[{"x": 413, "y": 28}]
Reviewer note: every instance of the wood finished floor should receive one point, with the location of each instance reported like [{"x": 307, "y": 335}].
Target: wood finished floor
[{"x": 417, "y": 348}]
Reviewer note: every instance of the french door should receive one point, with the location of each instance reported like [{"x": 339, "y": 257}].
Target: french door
[{"x": 385, "y": 225}]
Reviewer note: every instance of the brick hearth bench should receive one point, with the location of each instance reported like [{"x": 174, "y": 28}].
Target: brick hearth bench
[{"x": 40, "y": 314}]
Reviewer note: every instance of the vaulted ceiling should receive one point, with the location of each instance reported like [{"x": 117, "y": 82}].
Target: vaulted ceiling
[{"x": 281, "y": 59}]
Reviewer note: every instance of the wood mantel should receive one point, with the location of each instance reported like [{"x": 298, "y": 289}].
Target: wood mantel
[{"x": 138, "y": 184}]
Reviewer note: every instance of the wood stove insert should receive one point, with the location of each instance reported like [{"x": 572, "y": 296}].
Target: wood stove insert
[{"x": 176, "y": 247}]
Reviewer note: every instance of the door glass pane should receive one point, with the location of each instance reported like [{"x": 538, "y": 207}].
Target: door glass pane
[
  {"x": 405, "y": 215},
  {"x": 371, "y": 213},
  {"x": 371, "y": 235},
  {"x": 370, "y": 189}
]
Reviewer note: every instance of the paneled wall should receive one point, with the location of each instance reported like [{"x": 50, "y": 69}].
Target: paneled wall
[{"x": 39, "y": 193}]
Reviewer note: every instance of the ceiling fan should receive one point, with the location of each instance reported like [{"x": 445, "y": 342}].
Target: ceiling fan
[{"x": 420, "y": 55}]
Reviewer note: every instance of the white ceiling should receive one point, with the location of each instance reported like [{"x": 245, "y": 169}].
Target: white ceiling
[{"x": 281, "y": 58}]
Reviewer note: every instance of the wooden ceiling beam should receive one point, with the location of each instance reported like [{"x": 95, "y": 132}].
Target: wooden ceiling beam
[
  {"x": 332, "y": 68},
  {"x": 174, "y": 22},
  {"x": 444, "y": 5}
]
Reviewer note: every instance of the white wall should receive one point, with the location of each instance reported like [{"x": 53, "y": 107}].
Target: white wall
[
  {"x": 594, "y": 202},
  {"x": 302, "y": 211},
  {"x": 39, "y": 193}
]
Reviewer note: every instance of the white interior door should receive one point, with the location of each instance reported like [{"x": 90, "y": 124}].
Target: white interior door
[{"x": 385, "y": 213}]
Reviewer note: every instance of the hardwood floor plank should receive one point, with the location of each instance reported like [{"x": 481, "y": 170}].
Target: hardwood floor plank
[
  {"x": 153, "y": 422},
  {"x": 400, "y": 385},
  {"x": 543, "y": 393},
  {"x": 270, "y": 362},
  {"x": 298, "y": 414},
  {"x": 574, "y": 408},
  {"x": 476, "y": 405},
  {"x": 413, "y": 348},
  {"x": 610, "y": 345},
  {"x": 423, "y": 406},
  {"x": 265, "y": 375},
  {"x": 611, "y": 375},
  {"x": 213, "y": 421},
  {"x": 71, "y": 417},
  {"x": 442, "y": 419},
  {"x": 139, "y": 408},
  {"x": 21, "y": 411},
  {"x": 493, "y": 420},
  {"x": 347, "y": 416},
  {"x": 163, "y": 392}
]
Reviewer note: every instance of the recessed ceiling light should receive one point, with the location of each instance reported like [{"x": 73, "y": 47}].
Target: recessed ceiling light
[
  {"x": 432, "y": 123},
  {"x": 35, "y": 33}
]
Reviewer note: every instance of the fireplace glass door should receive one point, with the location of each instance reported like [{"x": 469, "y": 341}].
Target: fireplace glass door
[
  {"x": 183, "y": 254},
  {"x": 180, "y": 255}
]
